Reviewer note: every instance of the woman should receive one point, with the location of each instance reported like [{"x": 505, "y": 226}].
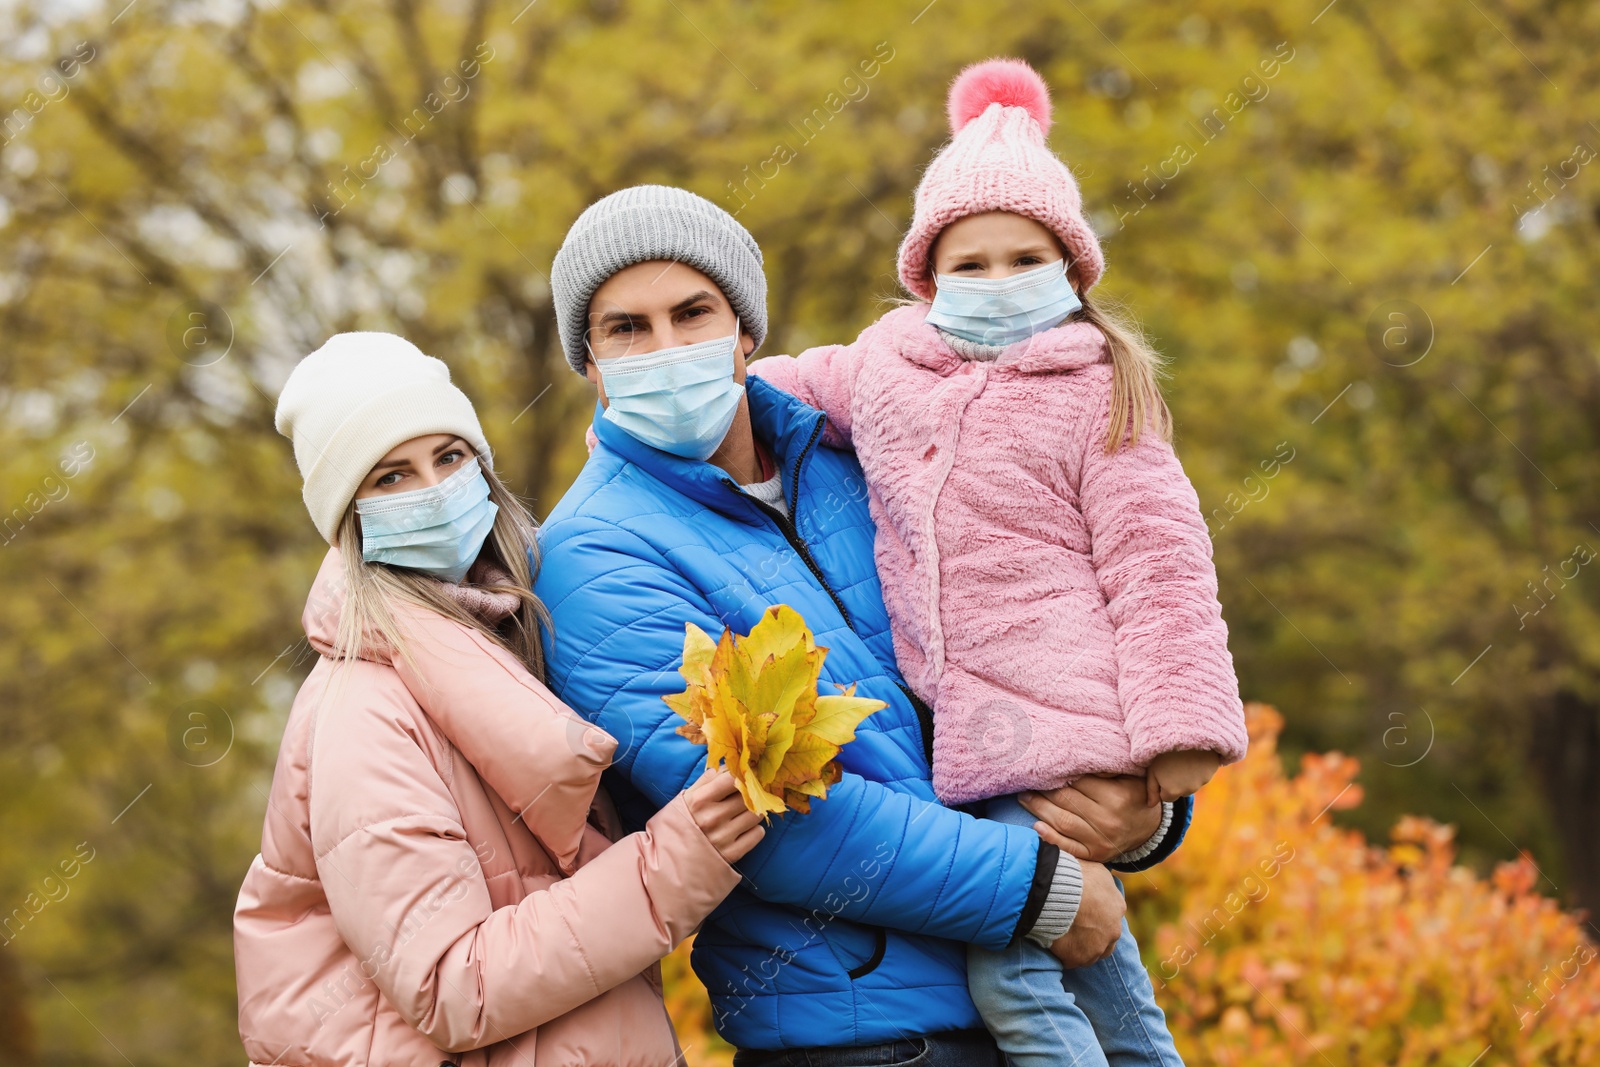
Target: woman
[{"x": 440, "y": 877}]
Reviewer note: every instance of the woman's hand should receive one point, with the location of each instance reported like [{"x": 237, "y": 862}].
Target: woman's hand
[
  {"x": 719, "y": 811},
  {"x": 1095, "y": 818}
]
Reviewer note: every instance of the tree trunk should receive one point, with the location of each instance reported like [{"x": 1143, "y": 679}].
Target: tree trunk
[
  {"x": 1565, "y": 757},
  {"x": 17, "y": 1045}
]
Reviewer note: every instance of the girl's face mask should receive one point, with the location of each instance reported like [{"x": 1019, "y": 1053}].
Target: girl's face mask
[
  {"x": 438, "y": 530},
  {"x": 1003, "y": 311}
]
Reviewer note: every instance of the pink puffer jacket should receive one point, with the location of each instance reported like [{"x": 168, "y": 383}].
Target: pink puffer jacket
[
  {"x": 438, "y": 880},
  {"x": 1056, "y": 605}
]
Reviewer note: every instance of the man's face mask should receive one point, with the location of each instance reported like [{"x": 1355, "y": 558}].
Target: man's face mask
[{"x": 681, "y": 400}]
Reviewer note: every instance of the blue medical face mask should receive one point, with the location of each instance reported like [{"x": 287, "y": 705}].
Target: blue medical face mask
[
  {"x": 1003, "y": 311},
  {"x": 438, "y": 530},
  {"x": 681, "y": 400}
]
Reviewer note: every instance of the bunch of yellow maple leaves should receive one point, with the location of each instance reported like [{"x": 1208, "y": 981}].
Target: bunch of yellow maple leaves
[{"x": 753, "y": 702}]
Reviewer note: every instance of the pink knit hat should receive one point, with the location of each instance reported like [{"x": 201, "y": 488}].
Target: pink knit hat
[{"x": 997, "y": 160}]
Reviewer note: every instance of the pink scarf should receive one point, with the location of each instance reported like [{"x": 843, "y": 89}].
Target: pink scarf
[{"x": 483, "y": 603}]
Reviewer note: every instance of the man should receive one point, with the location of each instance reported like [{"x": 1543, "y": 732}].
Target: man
[{"x": 706, "y": 500}]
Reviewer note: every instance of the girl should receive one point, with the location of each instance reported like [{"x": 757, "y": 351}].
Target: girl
[
  {"x": 1046, "y": 568},
  {"x": 440, "y": 877}
]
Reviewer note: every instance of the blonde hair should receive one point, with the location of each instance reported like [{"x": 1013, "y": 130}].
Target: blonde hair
[
  {"x": 1136, "y": 373},
  {"x": 372, "y": 588}
]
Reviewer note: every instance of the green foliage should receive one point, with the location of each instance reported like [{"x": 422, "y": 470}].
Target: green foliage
[{"x": 266, "y": 168}]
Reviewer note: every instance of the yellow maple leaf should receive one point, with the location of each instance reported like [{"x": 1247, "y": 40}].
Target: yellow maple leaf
[
  {"x": 752, "y": 701},
  {"x": 698, "y": 649}
]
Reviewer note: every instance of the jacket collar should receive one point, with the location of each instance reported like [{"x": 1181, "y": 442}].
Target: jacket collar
[
  {"x": 320, "y": 619},
  {"x": 325, "y": 604},
  {"x": 788, "y": 428}
]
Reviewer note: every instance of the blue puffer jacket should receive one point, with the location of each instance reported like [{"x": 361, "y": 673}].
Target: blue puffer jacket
[{"x": 849, "y": 927}]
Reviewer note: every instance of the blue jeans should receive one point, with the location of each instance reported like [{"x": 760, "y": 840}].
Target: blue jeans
[
  {"x": 951, "y": 1048},
  {"x": 1102, "y": 1015}
]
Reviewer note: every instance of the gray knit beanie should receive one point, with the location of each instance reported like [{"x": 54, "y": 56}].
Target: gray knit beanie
[{"x": 650, "y": 222}]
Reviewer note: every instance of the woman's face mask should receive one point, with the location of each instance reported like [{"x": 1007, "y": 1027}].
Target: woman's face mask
[
  {"x": 681, "y": 400},
  {"x": 1003, "y": 311},
  {"x": 438, "y": 530}
]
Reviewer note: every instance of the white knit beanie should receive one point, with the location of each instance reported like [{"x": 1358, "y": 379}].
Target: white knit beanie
[{"x": 355, "y": 398}]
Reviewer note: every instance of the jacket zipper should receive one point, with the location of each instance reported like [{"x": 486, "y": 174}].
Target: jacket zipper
[
  {"x": 792, "y": 535},
  {"x": 924, "y": 719},
  {"x": 787, "y": 527}
]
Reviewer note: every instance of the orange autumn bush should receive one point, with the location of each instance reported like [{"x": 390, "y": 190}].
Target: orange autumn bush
[
  {"x": 1276, "y": 938},
  {"x": 1280, "y": 938}
]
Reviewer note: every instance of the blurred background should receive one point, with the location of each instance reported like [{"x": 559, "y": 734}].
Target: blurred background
[{"x": 1364, "y": 233}]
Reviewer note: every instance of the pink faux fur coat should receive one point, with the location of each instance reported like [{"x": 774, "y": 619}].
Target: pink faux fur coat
[{"x": 1056, "y": 605}]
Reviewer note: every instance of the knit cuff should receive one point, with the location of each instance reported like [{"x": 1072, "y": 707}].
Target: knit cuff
[
  {"x": 1044, "y": 870},
  {"x": 1061, "y": 904},
  {"x": 1134, "y": 855}
]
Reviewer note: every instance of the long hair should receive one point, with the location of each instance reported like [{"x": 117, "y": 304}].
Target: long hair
[
  {"x": 1136, "y": 372},
  {"x": 371, "y": 588}
]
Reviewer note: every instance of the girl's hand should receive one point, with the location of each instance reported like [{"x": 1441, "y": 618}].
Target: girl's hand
[
  {"x": 719, "y": 811},
  {"x": 1179, "y": 774}
]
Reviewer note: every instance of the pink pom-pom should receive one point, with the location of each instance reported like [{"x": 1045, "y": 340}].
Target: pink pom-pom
[{"x": 1009, "y": 82}]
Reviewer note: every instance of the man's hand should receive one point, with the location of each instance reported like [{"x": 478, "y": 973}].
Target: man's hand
[
  {"x": 1095, "y": 818},
  {"x": 1179, "y": 774},
  {"x": 1097, "y": 925}
]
